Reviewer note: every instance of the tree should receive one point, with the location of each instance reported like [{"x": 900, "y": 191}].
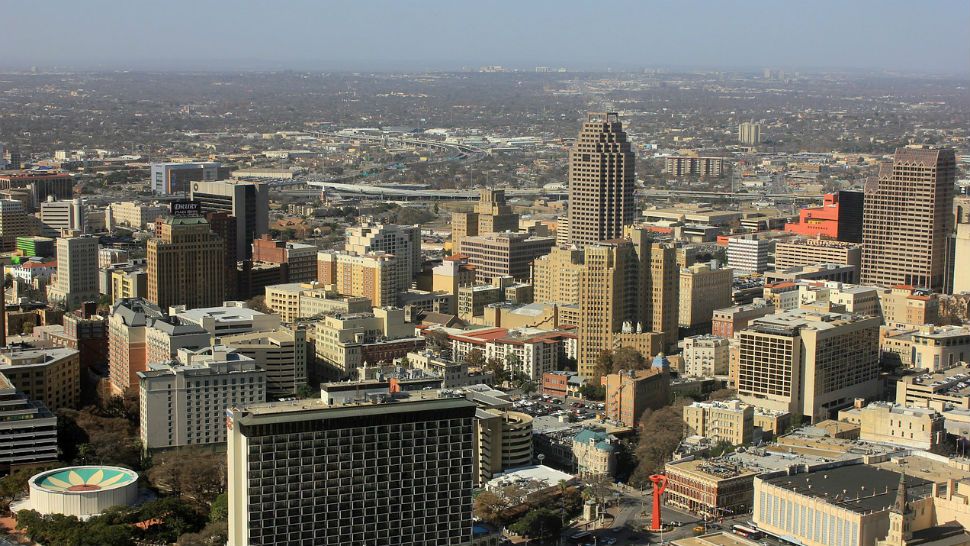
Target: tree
[
  {"x": 306, "y": 391},
  {"x": 604, "y": 364},
  {"x": 661, "y": 431},
  {"x": 590, "y": 391},
  {"x": 513, "y": 364},
  {"x": 219, "y": 510},
  {"x": 213, "y": 534},
  {"x": 489, "y": 507},
  {"x": 86, "y": 437},
  {"x": 722, "y": 394},
  {"x": 540, "y": 523},
  {"x": 475, "y": 359},
  {"x": 193, "y": 473},
  {"x": 497, "y": 369},
  {"x": 439, "y": 340},
  {"x": 628, "y": 358},
  {"x": 258, "y": 303}
]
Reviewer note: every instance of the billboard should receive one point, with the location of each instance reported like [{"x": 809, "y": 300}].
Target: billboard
[{"x": 185, "y": 209}]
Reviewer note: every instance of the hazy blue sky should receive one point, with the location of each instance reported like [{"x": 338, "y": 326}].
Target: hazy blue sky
[{"x": 930, "y": 35}]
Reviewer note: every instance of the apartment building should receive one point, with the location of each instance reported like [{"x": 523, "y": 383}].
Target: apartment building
[
  {"x": 702, "y": 290},
  {"x": 680, "y": 166},
  {"x": 184, "y": 403},
  {"x": 705, "y": 356},
  {"x": 373, "y": 276},
  {"x": 402, "y": 242},
  {"x": 729, "y": 421}
]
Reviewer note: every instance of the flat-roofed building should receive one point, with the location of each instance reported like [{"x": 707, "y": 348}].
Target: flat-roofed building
[
  {"x": 505, "y": 254},
  {"x": 820, "y": 272},
  {"x": 293, "y": 301},
  {"x": 281, "y": 353},
  {"x": 174, "y": 178},
  {"x": 702, "y": 290},
  {"x": 411, "y": 460},
  {"x": 556, "y": 276},
  {"x": 725, "y": 322},
  {"x": 729, "y": 421},
  {"x": 402, "y": 242},
  {"x": 232, "y": 318},
  {"x": 904, "y": 305},
  {"x": 926, "y": 347},
  {"x": 135, "y": 215},
  {"x": 346, "y": 342},
  {"x": 888, "y": 423},
  {"x": 373, "y": 276},
  {"x": 808, "y": 363},
  {"x": 186, "y": 264},
  {"x": 748, "y": 254},
  {"x": 680, "y": 166},
  {"x": 848, "y": 504},
  {"x": 807, "y": 252},
  {"x": 705, "y": 356},
  {"x": 50, "y": 376},
  {"x": 712, "y": 489},
  {"x": 630, "y": 393},
  {"x": 28, "y": 430},
  {"x": 184, "y": 403},
  {"x": 936, "y": 390}
]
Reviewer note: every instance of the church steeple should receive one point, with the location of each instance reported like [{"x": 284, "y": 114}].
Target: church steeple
[{"x": 901, "y": 506}]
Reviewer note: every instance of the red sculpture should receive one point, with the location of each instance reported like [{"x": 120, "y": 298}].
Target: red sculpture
[{"x": 659, "y": 486}]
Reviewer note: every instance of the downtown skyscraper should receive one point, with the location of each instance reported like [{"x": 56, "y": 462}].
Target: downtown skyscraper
[
  {"x": 601, "y": 181},
  {"x": 907, "y": 218}
]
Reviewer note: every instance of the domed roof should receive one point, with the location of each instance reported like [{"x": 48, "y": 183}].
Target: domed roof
[
  {"x": 78, "y": 479},
  {"x": 660, "y": 361}
]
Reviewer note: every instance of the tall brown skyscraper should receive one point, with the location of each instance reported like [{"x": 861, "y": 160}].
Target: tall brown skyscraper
[
  {"x": 186, "y": 265},
  {"x": 601, "y": 181},
  {"x": 908, "y": 215}
]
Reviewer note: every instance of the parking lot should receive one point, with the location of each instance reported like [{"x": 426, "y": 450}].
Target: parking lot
[{"x": 538, "y": 405}]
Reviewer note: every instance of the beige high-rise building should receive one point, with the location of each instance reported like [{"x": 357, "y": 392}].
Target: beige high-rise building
[
  {"x": 808, "y": 363},
  {"x": 403, "y": 242},
  {"x": 604, "y": 300},
  {"x": 626, "y": 285},
  {"x": 702, "y": 290},
  {"x": 77, "y": 270},
  {"x": 601, "y": 181},
  {"x": 185, "y": 265},
  {"x": 504, "y": 254},
  {"x": 13, "y": 223},
  {"x": 556, "y": 276},
  {"x": 908, "y": 216},
  {"x": 491, "y": 215},
  {"x": 749, "y": 133},
  {"x": 373, "y": 276}
]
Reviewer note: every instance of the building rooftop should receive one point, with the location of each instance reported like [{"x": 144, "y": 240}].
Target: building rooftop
[
  {"x": 721, "y": 469},
  {"x": 308, "y": 410},
  {"x": 860, "y": 488}
]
